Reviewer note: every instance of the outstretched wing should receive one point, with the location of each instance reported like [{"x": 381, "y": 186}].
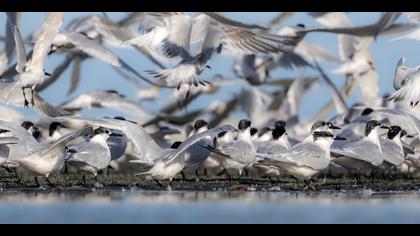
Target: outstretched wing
[
  {"x": 25, "y": 138},
  {"x": 146, "y": 147},
  {"x": 69, "y": 137},
  {"x": 211, "y": 133},
  {"x": 13, "y": 95}
]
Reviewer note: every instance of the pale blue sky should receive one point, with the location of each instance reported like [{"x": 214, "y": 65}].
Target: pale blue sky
[{"x": 98, "y": 75}]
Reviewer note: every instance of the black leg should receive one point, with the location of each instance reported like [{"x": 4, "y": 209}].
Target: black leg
[
  {"x": 159, "y": 183},
  {"x": 358, "y": 180},
  {"x": 37, "y": 181},
  {"x": 83, "y": 180},
  {"x": 197, "y": 174},
  {"x": 49, "y": 182},
  {"x": 32, "y": 98},
  {"x": 183, "y": 175},
  {"x": 26, "y": 103}
]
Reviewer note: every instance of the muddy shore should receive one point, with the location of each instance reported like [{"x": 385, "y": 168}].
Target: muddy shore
[{"x": 70, "y": 182}]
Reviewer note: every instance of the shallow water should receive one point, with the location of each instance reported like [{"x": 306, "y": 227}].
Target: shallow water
[{"x": 132, "y": 206}]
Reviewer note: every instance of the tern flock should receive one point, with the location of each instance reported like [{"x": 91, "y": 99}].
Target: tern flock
[{"x": 378, "y": 136}]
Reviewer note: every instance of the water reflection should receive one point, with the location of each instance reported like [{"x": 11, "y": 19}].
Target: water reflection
[
  {"x": 134, "y": 206},
  {"x": 135, "y": 195}
]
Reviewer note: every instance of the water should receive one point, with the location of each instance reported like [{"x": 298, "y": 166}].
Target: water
[{"x": 208, "y": 207}]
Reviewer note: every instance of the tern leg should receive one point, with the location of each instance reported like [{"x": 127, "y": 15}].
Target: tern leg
[
  {"x": 306, "y": 184},
  {"x": 159, "y": 183},
  {"x": 197, "y": 174},
  {"x": 205, "y": 172},
  {"x": 26, "y": 103},
  {"x": 32, "y": 98},
  {"x": 188, "y": 93},
  {"x": 183, "y": 175},
  {"x": 37, "y": 181},
  {"x": 83, "y": 180},
  {"x": 309, "y": 184},
  {"x": 246, "y": 173},
  {"x": 372, "y": 177},
  {"x": 358, "y": 181},
  {"x": 49, "y": 182}
]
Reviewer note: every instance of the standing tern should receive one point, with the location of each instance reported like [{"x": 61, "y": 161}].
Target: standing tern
[
  {"x": 92, "y": 156},
  {"x": 307, "y": 158},
  {"x": 41, "y": 158},
  {"x": 392, "y": 147},
  {"x": 240, "y": 153},
  {"x": 364, "y": 154}
]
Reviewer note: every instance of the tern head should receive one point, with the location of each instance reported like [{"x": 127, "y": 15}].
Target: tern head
[
  {"x": 278, "y": 132},
  {"x": 221, "y": 134},
  {"x": 263, "y": 131},
  {"x": 244, "y": 124},
  {"x": 200, "y": 124},
  {"x": 55, "y": 126},
  {"x": 27, "y": 125},
  {"x": 119, "y": 118},
  {"x": 279, "y": 124},
  {"x": 254, "y": 131},
  {"x": 367, "y": 111},
  {"x": 323, "y": 126},
  {"x": 101, "y": 131},
  {"x": 111, "y": 91},
  {"x": 322, "y": 135},
  {"x": 123, "y": 118},
  {"x": 372, "y": 125},
  {"x": 36, "y": 133},
  {"x": 300, "y": 26},
  {"x": 176, "y": 145},
  {"x": 400, "y": 73},
  {"x": 264, "y": 134},
  {"x": 395, "y": 130},
  {"x": 225, "y": 136}
]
